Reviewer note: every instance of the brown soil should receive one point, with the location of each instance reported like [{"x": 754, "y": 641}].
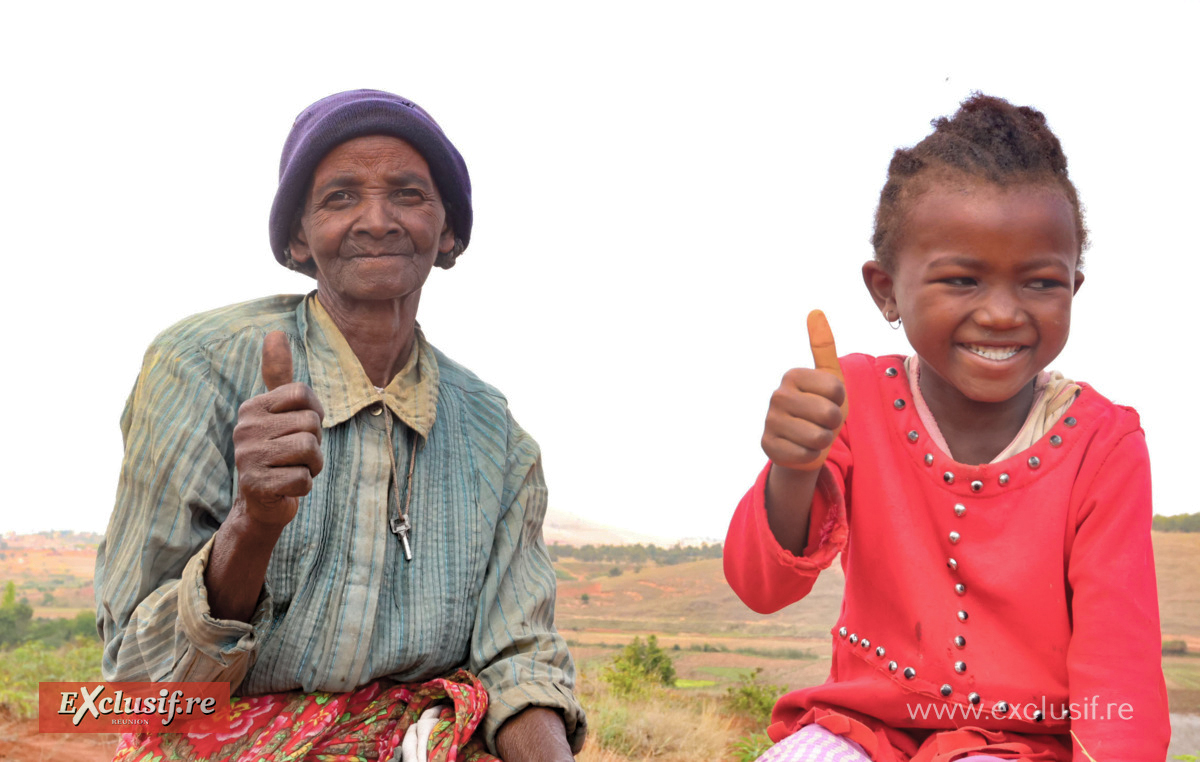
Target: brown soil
[{"x": 20, "y": 740}]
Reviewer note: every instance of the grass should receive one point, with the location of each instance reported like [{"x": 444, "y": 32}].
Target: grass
[
  {"x": 685, "y": 683},
  {"x": 22, "y": 668}
]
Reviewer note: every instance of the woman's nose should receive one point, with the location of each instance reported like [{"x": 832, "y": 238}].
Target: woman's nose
[{"x": 377, "y": 217}]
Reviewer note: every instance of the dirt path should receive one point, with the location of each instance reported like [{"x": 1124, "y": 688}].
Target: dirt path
[{"x": 20, "y": 740}]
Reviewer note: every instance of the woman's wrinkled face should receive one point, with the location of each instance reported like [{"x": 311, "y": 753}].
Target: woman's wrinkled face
[
  {"x": 983, "y": 280},
  {"x": 373, "y": 222}
]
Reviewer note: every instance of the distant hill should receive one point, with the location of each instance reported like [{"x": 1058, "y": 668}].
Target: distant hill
[{"x": 568, "y": 529}]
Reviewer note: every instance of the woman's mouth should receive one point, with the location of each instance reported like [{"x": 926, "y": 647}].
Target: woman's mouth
[{"x": 993, "y": 352}]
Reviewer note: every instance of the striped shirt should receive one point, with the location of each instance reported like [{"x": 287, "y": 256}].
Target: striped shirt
[{"x": 341, "y": 606}]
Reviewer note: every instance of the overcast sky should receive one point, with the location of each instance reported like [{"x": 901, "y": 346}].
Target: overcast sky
[{"x": 660, "y": 197}]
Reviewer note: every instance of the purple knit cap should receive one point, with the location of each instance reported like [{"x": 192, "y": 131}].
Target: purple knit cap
[{"x": 332, "y": 121}]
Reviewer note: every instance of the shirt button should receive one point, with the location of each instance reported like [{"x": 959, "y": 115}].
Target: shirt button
[{"x": 377, "y": 410}]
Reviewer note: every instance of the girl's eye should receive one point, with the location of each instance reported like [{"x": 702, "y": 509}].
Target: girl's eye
[
  {"x": 1045, "y": 284},
  {"x": 962, "y": 281}
]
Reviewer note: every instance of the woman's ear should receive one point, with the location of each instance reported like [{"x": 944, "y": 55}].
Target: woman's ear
[
  {"x": 446, "y": 241},
  {"x": 879, "y": 282},
  {"x": 298, "y": 243},
  {"x": 1078, "y": 281}
]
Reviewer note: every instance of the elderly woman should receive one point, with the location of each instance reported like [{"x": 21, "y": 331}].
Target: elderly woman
[{"x": 319, "y": 507}]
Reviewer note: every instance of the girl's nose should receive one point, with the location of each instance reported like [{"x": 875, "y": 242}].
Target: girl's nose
[{"x": 1000, "y": 311}]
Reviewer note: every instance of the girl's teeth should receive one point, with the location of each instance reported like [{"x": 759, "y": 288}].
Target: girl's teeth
[{"x": 993, "y": 353}]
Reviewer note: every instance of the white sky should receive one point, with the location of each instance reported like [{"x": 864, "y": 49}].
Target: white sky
[{"x": 661, "y": 193}]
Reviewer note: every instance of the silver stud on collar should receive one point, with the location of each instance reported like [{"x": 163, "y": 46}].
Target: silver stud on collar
[
  {"x": 976, "y": 485},
  {"x": 947, "y": 690},
  {"x": 909, "y": 673},
  {"x": 973, "y": 697},
  {"x": 954, "y": 538},
  {"x": 960, "y": 667},
  {"x": 890, "y": 372},
  {"x": 1070, "y": 420},
  {"x": 959, "y": 509},
  {"x": 952, "y": 564},
  {"x": 960, "y": 641},
  {"x": 1034, "y": 461},
  {"x": 960, "y": 588},
  {"x": 929, "y": 459},
  {"x": 879, "y": 651},
  {"x": 1055, "y": 440},
  {"x": 948, "y": 477},
  {"x": 913, "y": 436},
  {"x": 1003, "y": 479},
  {"x": 893, "y": 666},
  {"x": 843, "y": 632},
  {"x": 962, "y": 616},
  {"x": 898, "y": 404}
]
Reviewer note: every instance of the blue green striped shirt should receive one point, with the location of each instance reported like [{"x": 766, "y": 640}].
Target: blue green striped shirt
[{"x": 341, "y": 605}]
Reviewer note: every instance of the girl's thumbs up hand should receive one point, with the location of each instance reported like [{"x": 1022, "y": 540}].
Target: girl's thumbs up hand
[
  {"x": 809, "y": 407},
  {"x": 277, "y": 440}
]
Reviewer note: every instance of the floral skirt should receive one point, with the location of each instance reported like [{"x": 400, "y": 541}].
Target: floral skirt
[{"x": 365, "y": 724}]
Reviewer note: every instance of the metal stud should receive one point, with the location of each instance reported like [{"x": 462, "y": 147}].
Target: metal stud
[
  {"x": 1034, "y": 461},
  {"x": 909, "y": 673},
  {"x": 959, "y": 509},
  {"x": 973, "y": 697},
  {"x": 960, "y": 588},
  {"x": 948, "y": 478},
  {"x": 960, "y": 667},
  {"x": 960, "y": 641},
  {"x": 865, "y": 644},
  {"x": 898, "y": 404},
  {"x": 954, "y": 538},
  {"x": 962, "y": 616},
  {"x": 913, "y": 436},
  {"x": 853, "y": 639},
  {"x": 879, "y": 651},
  {"x": 1038, "y": 716},
  {"x": 1070, "y": 420},
  {"x": 929, "y": 459},
  {"x": 947, "y": 690},
  {"x": 843, "y": 632},
  {"x": 1055, "y": 440},
  {"x": 890, "y": 373},
  {"x": 952, "y": 564},
  {"x": 1003, "y": 479},
  {"x": 893, "y": 666},
  {"x": 976, "y": 485},
  {"x": 1001, "y": 707}
]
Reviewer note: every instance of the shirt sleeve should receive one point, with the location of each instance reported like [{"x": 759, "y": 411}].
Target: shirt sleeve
[
  {"x": 1114, "y": 660},
  {"x": 174, "y": 490},
  {"x": 515, "y": 650},
  {"x": 765, "y": 575}
]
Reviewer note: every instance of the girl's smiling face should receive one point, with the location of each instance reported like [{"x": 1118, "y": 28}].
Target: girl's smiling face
[{"x": 982, "y": 278}]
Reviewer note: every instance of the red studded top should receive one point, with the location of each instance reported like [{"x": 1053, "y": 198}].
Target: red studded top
[{"x": 1016, "y": 599}]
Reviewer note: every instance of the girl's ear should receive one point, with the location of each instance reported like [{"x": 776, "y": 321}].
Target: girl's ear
[
  {"x": 879, "y": 282},
  {"x": 1078, "y": 281}
]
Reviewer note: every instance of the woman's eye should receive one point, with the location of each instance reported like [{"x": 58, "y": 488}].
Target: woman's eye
[
  {"x": 961, "y": 281},
  {"x": 337, "y": 197},
  {"x": 409, "y": 194}
]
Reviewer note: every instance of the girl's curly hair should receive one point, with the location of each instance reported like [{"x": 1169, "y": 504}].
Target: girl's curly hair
[{"x": 988, "y": 140}]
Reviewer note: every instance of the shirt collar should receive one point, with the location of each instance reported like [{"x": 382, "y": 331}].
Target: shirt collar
[{"x": 343, "y": 386}]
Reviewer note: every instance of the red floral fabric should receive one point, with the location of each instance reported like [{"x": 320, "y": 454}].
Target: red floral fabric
[{"x": 366, "y": 724}]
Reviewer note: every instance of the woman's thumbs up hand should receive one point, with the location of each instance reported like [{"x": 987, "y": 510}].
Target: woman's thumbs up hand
[{"x": 277, "y": 440}]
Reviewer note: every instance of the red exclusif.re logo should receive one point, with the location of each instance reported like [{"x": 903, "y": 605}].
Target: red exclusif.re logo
[{"x": 133, "y": 707}]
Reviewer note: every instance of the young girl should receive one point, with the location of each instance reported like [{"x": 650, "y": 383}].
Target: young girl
[{"x": 993, "y": 518}]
